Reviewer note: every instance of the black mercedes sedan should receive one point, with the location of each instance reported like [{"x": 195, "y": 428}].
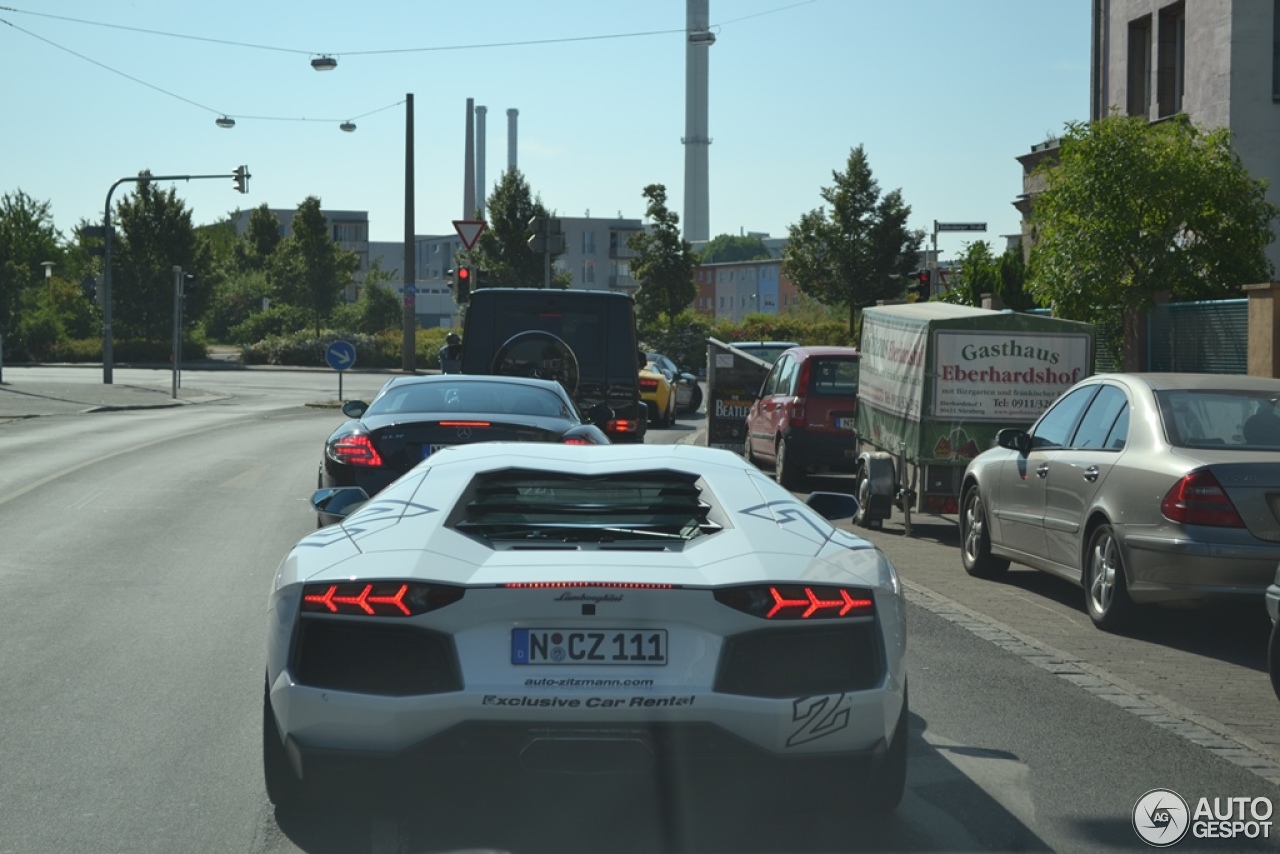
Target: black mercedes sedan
[{"x": 412, "y": 418}]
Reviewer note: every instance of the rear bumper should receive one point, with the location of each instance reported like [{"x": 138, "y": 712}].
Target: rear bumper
[
  {"x": 826, "y": 450},
  {"x": 1165, "y": 569}
]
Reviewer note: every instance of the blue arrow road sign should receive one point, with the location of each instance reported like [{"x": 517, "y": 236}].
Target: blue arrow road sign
[{"x": 340, "y": 355}]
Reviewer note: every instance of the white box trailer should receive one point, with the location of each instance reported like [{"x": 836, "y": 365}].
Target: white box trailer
[{"x": 937, "y": 381}]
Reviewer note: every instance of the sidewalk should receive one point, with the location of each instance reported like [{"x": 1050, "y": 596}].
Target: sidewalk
[{"x": 34, "y": 399}]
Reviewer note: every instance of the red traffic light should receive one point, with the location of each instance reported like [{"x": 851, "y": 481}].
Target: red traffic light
[
  {"x": 464, "y": 274},
  {"x": 923, "y": 277}
]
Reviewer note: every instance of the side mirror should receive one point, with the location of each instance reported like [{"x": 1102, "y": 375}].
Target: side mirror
[
  {"x": 354, "y": 408},
  {"x": 341, "y": 501},
  {"x": 1013, "y": 439},
  {"x": 687, "y": 377},
  {"x": 833, "y": 506}
]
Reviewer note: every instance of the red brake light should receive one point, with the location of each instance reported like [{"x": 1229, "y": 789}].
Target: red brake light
[
  {"x": 555, "y": 585},
  {"x": 464, "y": 424},
  {"x": 575, "y": 440},
  {"x": 798, "y": 602},
  {"x": 377, "y": 598},
  {"x": 648, "y": 384},
  {"x": 355, "y": 450},
  {"x": 621, "y": 425},
  {"x": 797, "y": 415},
  {"x": 1198, "y": 499}
]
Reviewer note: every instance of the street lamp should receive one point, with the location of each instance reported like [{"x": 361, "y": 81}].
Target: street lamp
[
  {"x": 225, "y": 122},
  {"x": 348, "y": 126},
  {"x": 48, "y": 270},
  {"x": 324, "y": 63}
]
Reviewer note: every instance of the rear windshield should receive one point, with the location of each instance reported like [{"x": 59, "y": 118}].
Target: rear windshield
[
  {"x": 833, "y": 378},
  {"x": 472, "y": 397},
  {"x": 1220, "y": 418}
]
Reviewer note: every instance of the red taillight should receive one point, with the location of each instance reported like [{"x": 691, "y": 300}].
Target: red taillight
[
  {"x": 377, "y": 598},
  {"x": 1198, "y": 499},
  {"x": 355, "y": 450},
  {"x": 464, "y": 424},
  {"x": 648, "y": 385},
  {"x": 798, "y": 602},
  {"x": 796, "y": 414},
  {"x": 575, "y": 441},
  {"x": 621, "y": 425}
]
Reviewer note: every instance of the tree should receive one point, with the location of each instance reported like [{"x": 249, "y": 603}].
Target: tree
[
  {"x": 308, "y": 269},
  {"x": 378, "y": 308},
  {"x": 1013, "y": 278},
  {"x": 155, "y": 235},
  {"x": 1133, "y": 209},
  {"x": 860, "y": 250},
  {"x": 260, "y": 239},
  {"x": 664, "y": 261},
  {"x": 726, "y": 248},
  {"x": 503, "y": 249},
  {"x": 27, "y": 238}
]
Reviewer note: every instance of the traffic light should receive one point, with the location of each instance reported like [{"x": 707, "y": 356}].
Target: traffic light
[
  {"x": 919, "y": 285},
  {"x": 241, "y": 177},
  {"x": 463, "y": 279},
  {"x": 480, "y": 274}
]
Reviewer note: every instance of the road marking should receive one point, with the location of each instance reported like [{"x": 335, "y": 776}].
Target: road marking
[{"x": 1214, "y": 736}]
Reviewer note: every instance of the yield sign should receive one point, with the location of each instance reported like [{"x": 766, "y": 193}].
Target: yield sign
[{"x": 469, "y": 230}]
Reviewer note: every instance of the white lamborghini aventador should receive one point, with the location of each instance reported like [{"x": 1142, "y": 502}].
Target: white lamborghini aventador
[{"x": 576, "y": 608}]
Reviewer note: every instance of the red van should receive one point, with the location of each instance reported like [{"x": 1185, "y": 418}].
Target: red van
[{"x": 802, "y": 421}]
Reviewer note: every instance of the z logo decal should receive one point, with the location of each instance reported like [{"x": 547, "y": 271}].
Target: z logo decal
[{"x": 818, "y": 717}]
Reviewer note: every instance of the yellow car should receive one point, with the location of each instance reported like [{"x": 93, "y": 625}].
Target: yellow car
[{"x": 656, "y": 390}]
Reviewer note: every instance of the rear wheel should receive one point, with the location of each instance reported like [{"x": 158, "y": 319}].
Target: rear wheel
[
  {"x": 887, "y": 783},
  {"x": 1106, "y": 590},
  {"x": 862, "y": 491},
  {"x": 284, "y": 787},
  {"x": 785, "y": 472},
  {"x": 975, "y": 538}
]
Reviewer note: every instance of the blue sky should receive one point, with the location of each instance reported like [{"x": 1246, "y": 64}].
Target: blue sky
[{"x": 943, "y": 95}]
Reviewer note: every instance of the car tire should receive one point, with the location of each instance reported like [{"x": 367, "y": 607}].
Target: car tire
[
  {"x": 975, "y": 538},
  {"x": 518, "y": 357},
  {"x": 695, "y": 399},
  {"x": 888, "y": 781},
  {"x": 1106, "y": 590},
  {"x": 1273, "y": 659},
  {"x": 784, "y": 471},
  {"x": 284, "y": 788},
  {"x": 747, "y": 453}
]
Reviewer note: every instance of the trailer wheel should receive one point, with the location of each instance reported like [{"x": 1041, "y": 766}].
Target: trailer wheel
[
  {"x": 975, "y": 538},
  {"x": 862, "y": 491}
]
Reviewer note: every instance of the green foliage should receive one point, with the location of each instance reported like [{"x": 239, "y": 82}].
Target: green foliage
[
  {"x": 857, "y": 251},
  {"x": 664, "y": 261},
  {"x": 503, "y": 249},
  {"x": 27, "y": 238},
  {"x": 308, "y": 269},
  {"x": 377, "y": 310},
  {"x": 277, "y": 320},
  {"x": 725, "y": 248},
  {"x": 1013, "y": 278},
  {"x": 235, "y": 299},
  {"x": 155, "y": 234},
  {"x": 683, "y": 340},
  {"x": 380, "y": 351},
  {"x": 127, "y": 351},
  {"x": 774, "y": 327},
  {"x": 1134, "y": 209},
  {"x": 260, "y": 239}
]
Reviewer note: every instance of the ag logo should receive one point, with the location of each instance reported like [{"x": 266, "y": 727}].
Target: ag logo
[{"x": 1161, "y": 818}]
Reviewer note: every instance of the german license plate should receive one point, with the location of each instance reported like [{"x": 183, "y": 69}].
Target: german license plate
[
  {"x": 428, "y": 450},
  {"x": 595, "y": 646},
  {"x": 845, "y": 423}
]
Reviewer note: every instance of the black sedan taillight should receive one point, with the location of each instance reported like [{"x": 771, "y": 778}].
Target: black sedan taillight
[{"x": 354, "y": 449}]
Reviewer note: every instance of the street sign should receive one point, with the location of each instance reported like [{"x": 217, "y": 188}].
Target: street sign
[
  {"x": 340, "y": 355},
  {"x": 469, "y": 230},
  {"x": 959, "y": 226}
]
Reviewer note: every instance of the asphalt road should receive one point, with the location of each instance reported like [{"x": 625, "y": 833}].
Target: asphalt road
[{"x": 138, "y": 550}]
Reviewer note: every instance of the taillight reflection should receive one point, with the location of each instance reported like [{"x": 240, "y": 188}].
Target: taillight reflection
[
  {"x": 798, "y": 601},
  {"x": 377, "y": 598}
]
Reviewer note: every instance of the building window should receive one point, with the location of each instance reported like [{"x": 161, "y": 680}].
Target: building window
[
  {"x": 588, "y": 272},
  {"x": 1169, "y": 83},
  {"x": 350, "y": 232},
  {"x": 588, "y": 243},
  {"x": 1139, "y": 79}
]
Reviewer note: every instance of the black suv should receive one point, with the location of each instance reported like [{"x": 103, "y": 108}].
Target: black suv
[{"x": 584, "y": 339}]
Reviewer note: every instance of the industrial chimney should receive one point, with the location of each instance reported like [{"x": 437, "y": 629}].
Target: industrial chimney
[
  {"x": 697, "y": 193},
  {"x": 511, "y": 137},
  {"x": 480, "y": 188}
]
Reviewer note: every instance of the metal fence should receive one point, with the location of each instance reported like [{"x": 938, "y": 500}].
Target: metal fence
[{"x": 1210, "y": 337}]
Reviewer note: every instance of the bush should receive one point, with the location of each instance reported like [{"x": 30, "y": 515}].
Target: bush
[
  {"x": 383, "y": 350},
  {"x": 277, "y": 321}
]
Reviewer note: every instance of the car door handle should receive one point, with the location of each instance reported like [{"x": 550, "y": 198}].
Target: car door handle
[
  {"x": 1042, "y": 470},
  {"x": 1091, "y": 473}
]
